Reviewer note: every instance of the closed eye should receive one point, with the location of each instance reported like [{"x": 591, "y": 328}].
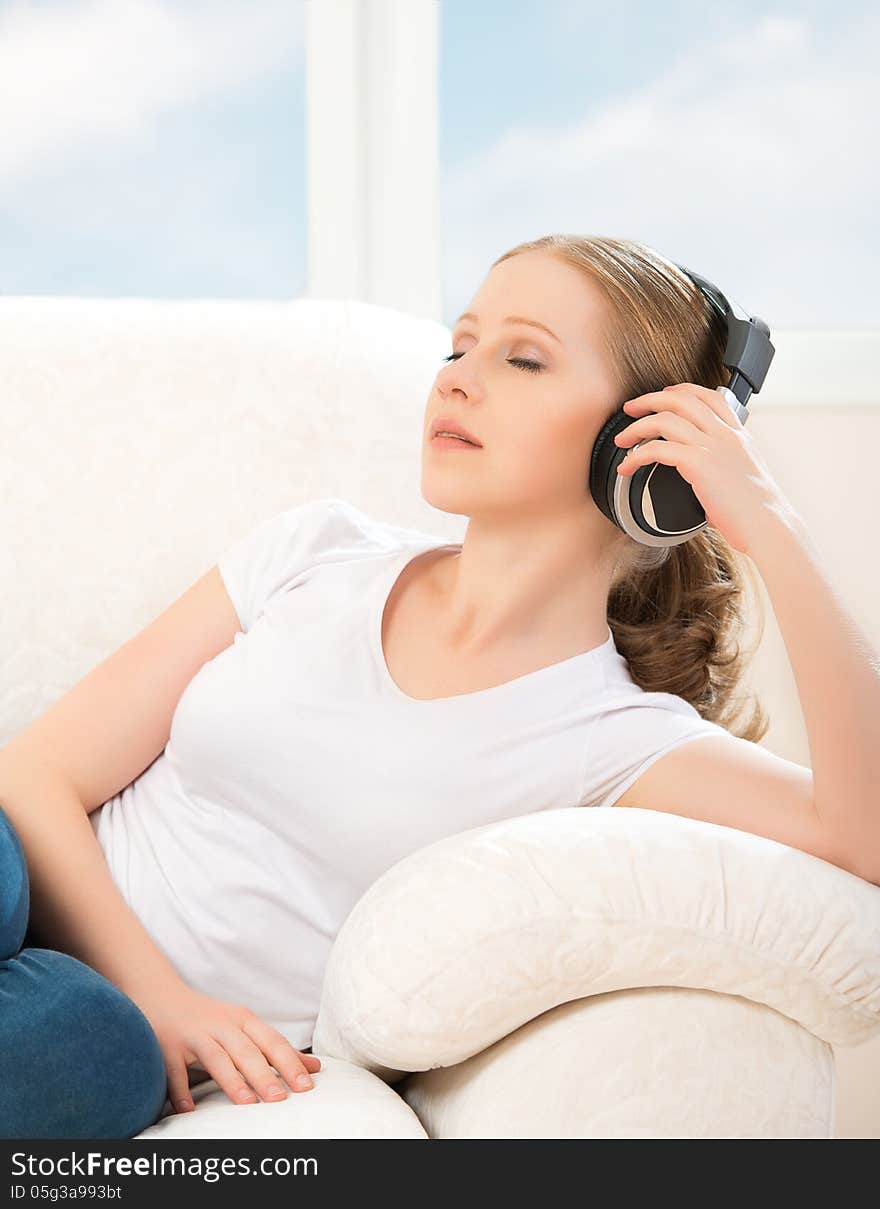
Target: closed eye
[{"x": 531, "y": 367}]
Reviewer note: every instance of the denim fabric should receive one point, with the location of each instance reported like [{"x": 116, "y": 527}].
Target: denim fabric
[{"x": 78, "y": 1058}]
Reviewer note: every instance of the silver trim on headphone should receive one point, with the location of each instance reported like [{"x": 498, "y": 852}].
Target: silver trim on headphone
[
  {"x": 628, "y": 523},
  {"x": 740, "y": 410},
  {"x": 622, "y": 487}
]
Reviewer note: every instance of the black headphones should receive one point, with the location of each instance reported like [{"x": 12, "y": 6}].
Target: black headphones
[{"x": 654, "y": 504}]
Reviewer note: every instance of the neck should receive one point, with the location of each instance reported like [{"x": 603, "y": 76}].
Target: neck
[{"x": 501, "y": 592}]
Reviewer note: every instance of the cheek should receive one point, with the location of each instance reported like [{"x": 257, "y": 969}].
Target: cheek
[
  {"x": 566, "y": 435},
  {"x": 547, "y": 453},
  {"x": 549, "y": 436}
]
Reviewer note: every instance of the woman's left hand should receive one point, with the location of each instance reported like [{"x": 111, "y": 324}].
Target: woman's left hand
[{"x": 703, "y": 439}]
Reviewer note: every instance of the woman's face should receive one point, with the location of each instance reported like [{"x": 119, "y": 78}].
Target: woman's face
[{"x": 536, "y": 422}]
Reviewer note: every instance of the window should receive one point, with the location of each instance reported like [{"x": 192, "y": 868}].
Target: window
[
  {"x": 152, "y": 149},
  {"x": 738, "y": 141}
]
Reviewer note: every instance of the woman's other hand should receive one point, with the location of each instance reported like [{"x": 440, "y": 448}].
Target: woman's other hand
[{"x": 233, "y": 1044}]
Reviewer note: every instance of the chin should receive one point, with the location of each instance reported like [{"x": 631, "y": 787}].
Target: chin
[
  {"x": 447, "y": 492},
  {"x": 445, "y": 498}
]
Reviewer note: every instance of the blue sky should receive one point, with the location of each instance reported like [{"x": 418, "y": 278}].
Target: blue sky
[{"x": 156, "y": 148}]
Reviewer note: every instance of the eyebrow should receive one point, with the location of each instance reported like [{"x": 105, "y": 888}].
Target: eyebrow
[{"x": 512, "y": 319}]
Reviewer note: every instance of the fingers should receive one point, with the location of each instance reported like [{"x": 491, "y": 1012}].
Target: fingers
[
  {"x": 713, "y": 399},
  {"x": 178, "y": 1087},
  {"x": 217, "y": 1062},
  {"x": 705, "y": 408},
  {"x": 293, "y": 1066},
  {"x": 667, "y": 424},
  {"x": 236, "y": 1059}
]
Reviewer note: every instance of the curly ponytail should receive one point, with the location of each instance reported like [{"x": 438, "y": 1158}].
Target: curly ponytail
[{"x": 677, "y": 613}]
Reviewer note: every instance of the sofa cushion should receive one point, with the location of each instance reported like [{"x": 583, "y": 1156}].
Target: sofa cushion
[{"x": 345, "y": 1102}]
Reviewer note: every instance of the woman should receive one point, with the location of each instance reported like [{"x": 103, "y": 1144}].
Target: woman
[{"x": 377, "y": 689}]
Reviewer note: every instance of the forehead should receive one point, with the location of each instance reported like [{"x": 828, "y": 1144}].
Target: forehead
[{"x": 539, "y": 286}]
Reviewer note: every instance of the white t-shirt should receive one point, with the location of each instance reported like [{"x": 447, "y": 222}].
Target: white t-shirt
[{"x": 297, "y": 771}]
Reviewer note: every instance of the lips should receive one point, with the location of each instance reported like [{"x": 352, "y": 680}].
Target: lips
[{"x": 448, "y": 424}]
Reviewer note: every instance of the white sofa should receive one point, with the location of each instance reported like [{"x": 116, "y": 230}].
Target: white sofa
[{"x": 574, "y": 973}]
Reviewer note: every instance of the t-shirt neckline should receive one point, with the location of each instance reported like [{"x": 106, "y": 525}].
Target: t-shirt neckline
[{"x": 398, "y": 564}]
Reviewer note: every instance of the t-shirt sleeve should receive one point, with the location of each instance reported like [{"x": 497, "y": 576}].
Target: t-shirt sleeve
[
  {"x": 629, "y": 737},
  {"x": 268, "y": 558}
]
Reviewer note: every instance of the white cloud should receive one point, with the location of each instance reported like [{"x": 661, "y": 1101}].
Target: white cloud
[
  {"x": 83, "y": 73},
  {"x": 756, "y": 155}
]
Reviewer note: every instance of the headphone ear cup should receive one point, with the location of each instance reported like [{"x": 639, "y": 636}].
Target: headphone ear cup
[{"x": 604, "y": 460}]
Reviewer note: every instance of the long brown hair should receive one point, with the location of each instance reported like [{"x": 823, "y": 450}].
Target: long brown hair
[{"x": 677, "y": 613}]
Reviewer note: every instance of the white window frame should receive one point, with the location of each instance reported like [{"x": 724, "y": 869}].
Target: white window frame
[{"x": 372, "y": 174}]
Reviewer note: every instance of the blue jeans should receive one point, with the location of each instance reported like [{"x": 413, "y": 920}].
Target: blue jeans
[{"x": 78, "y": 1058}]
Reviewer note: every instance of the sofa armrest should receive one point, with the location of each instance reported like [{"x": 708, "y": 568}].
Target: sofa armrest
[
  {"x": 462, "y": 942},
  {"x": 651, "y": 1062}
]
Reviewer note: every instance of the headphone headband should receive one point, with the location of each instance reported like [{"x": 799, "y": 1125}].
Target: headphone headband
[{"x": 748, "y": 352}]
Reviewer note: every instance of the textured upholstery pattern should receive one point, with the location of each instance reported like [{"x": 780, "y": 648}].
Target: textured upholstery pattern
[
  {"x": 464, "y": 941},
  {"x": 652, "y": 1062}
]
